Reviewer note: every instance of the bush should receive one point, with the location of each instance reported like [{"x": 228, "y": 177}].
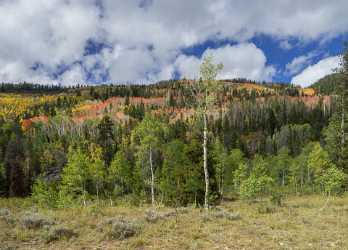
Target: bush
[
  {"x": 255, "y": 186},
  {"x": 332, "y": 180},
  {"x": 122, "y": 229},
  {"x": 222, "y": 214},
  {"x": 4, "y": 212},
  {"x": 5, "y": 215},
  {"x": 45, "y": 194},
  {"x": 35, "y": 221},
  {"x": 277, "y": 198},
  {"x": 59, "y": 233},
  {"x": 152, "y": 216}
]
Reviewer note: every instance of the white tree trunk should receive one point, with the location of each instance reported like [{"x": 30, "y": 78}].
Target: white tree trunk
[
  {"x": 152, "y": 179},
  {"x": 205, "y": 163},
  {"x": 343, "y": 136}
]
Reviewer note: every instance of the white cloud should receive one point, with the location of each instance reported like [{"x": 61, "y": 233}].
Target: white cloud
[
  {"x": 75, "y": 75},
  {"x": 317, "y": 71},
  {"x": 240, "y": 61},
  {"x": 299, "y": 63},
  {"x": 286, "y": 45},
  {"x": 146, "y": 42}
]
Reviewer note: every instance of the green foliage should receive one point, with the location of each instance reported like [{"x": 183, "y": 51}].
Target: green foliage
[
  {"x": 106, "y": 138},
  {"x": 121, "y": 174},
  {"x": 329, "y": 84},
  {"x": 280, "y": 166},
  {"x": 161, "y": 151},
  {"x": 258, "y": 183},
  {"x": 178, "y": 175},
  {"x": 2, "y": 180},
  {"x": 332, "y": 180},
  {"x": 45, "y": 194},
  {"x": 74, "y": 178},
  {"x": 318, "y": 160}
]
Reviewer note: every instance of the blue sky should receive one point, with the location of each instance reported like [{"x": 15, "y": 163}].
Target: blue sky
[{"x": 142, "y": 41}]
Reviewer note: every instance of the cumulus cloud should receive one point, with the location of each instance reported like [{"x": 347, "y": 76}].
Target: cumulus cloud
[
  {"x": 317, "y": 71},
  {"x": 146, "y": 38},
  {"x": 240, "y": 61}
]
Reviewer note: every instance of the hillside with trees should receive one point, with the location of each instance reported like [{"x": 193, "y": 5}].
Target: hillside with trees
[{"x": 178, "y": 143}]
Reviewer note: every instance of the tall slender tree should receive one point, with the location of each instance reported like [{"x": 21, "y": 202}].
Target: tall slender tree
[
  {"x": 206, "y": 89},
  {"x": 147, "y": 138}
]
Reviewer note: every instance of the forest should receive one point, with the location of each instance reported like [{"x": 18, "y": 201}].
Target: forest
[{"x": 176, "y": 143}]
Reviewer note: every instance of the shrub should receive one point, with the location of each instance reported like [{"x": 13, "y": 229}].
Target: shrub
[
  {"x": 4, "y": 212},
  {"x": 59, "y": 233},
  {"x": 255, "y": 186},
  {"x": 332, "y": 180},
  {"x": 5, "y": 215},
  {"x": 45, "y": 194},
  {"x": 122, "y": 229},
  {"x": 222, "y": 214},
  {"x": 152, "y": 216},
  {"x": 277, "y": 198},
  {"x": 35, "y": 221}
]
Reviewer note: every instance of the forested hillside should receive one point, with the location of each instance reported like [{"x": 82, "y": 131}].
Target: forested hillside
[{"x": 70, "y": 145}]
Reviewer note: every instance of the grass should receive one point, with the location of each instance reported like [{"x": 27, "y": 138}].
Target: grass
[{"x": 306, "y": 222}]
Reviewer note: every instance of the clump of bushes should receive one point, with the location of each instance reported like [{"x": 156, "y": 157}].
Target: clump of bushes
[
  {"x": 222, "y": 214},
  {"x": 152, "y": 216},
  {"x": 59, "y": 233},
  {"x": 122, "y": 229},
  {"x": 219, "y": 213},
  {"x": 35, "y": 221}
]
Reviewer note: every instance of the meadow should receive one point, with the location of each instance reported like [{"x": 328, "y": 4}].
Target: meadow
[{"x": 302, "y": 222}]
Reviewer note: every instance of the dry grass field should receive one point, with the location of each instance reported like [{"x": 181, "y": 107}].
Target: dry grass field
[{"x": 308, "y": 222}]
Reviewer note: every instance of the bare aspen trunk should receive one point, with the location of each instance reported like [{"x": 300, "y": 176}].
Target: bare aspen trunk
[
  {"x": 152, "y": 180},
  {"x": 222, "y": 188},
  {"x": 343, "y": 136},
  {"x": 205, "y": 163}
]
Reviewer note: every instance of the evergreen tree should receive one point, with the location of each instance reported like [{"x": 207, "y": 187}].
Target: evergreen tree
[
  {"x": 175, "y": 178},
  {"x": 121, "y": 174},
  {"x": 106, "y": 138},
  {"x": 14, "y": 166}
]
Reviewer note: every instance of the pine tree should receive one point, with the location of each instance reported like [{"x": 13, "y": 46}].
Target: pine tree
[
  {"x": 120, "y": 174},
  {"x": 106, "y": 138},
  {"x": 176, "y": 177},
  {"x": 14, "y": 166}
]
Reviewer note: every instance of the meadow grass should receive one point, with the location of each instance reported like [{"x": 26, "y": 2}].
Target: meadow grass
[{"x": 303, "y": 222}]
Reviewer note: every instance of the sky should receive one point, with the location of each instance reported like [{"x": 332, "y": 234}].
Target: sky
[{"x": 71, "y": 42}]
